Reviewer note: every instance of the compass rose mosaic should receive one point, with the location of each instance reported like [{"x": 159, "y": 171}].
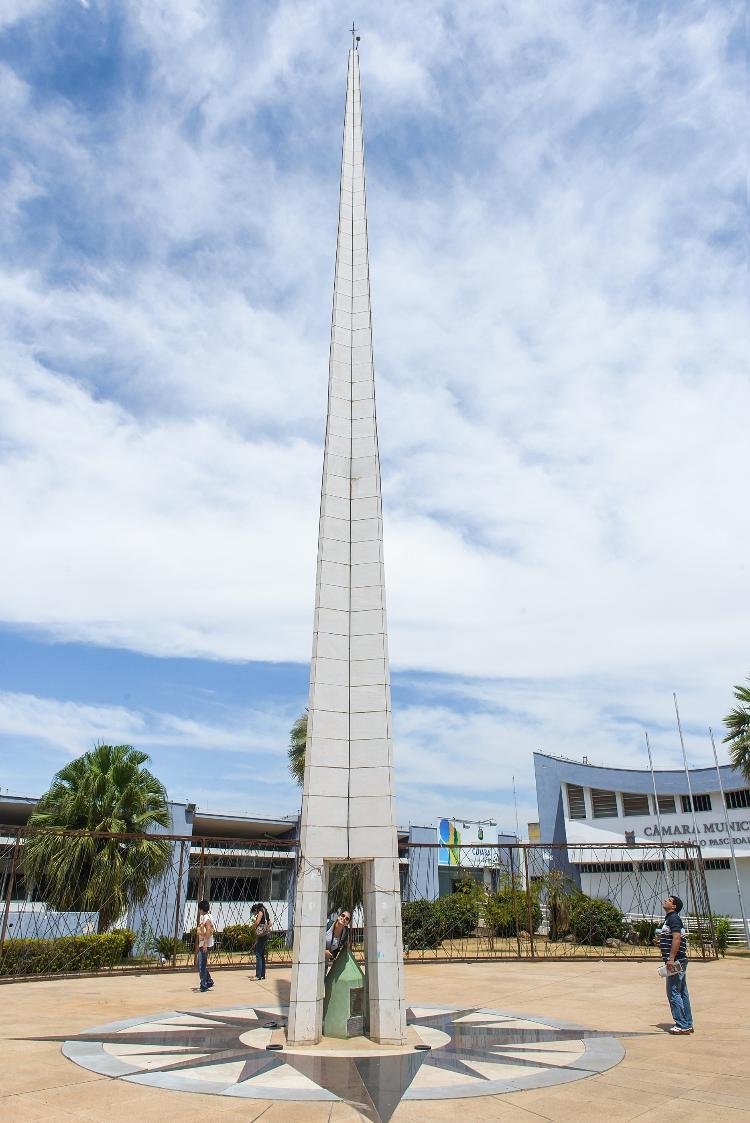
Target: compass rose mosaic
[{"x": 242, "y": 1052}]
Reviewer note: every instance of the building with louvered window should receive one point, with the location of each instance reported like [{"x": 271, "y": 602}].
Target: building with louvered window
[{"x": 582, "y": 803}]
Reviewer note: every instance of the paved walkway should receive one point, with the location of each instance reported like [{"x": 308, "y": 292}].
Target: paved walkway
[{"x": 687, "y": 1078}]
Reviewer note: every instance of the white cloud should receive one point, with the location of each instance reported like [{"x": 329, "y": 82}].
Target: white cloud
[
  {"x": 76, "y": 727},
  {"x": 560, "y": 332}
]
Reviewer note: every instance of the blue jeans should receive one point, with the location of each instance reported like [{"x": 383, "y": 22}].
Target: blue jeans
[
  {"x": 260, "y": 956},
  {"x": 203, "y": 971},
  {"x": 679, "y": 999}
]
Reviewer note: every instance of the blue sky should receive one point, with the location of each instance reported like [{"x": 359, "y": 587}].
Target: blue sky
[{"x": 557, "y": 216}]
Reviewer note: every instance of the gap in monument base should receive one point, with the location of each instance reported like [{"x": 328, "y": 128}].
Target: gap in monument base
[{"x": 345, "y": 1007}]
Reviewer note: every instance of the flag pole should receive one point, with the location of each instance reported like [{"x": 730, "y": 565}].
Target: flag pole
[
  {"x": 656, "y": 806},
  {"x": 687, "y": 773},
  {"x": 743, "y": 914},
  {"x": 515, "y": 805}
]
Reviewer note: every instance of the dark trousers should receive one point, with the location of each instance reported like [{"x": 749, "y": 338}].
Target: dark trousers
[
  {"x": 203, "y": 971},
  {"x": 260, "y": 957}
]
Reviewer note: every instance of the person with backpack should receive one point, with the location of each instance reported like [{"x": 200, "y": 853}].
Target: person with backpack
[{"x": 262, "y": 925}]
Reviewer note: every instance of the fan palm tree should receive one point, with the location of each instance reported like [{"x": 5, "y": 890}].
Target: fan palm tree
[
  {"x": 737, "y": 722},
  {"x": 105, "y": 790},
  {"x": 296, "y": 750}
]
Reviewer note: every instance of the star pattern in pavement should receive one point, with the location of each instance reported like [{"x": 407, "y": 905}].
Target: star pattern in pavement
[{"x": 228, "y": 1051}]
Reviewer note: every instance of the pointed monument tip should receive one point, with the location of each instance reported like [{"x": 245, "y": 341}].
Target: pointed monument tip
[{"x": 355, "y": 37}]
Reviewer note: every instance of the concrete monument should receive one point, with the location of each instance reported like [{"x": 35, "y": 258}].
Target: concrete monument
[{"x": 348, "y": 793}]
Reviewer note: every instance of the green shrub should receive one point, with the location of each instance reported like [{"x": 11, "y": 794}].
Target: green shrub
[
  {"x": 723, "y": 929},
  {"x": 507, "y": 913},
  {"x": 593, "y": 921},
  {"x": 63, "y": 955},
  {"x": 238, "y": 937},
  {"x": 129, "y": 937},
  {"x": 421, "y": 925},
  {"x": 276, "y": 942},
  {"x": 167, "y": 946},
  {"x": 460, "y": 910}
]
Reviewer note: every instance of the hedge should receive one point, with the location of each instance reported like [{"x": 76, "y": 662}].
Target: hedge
[
  {"x": 129, "y": 937},
  {"x": 63, "y": 955},
  {"x": 236, "y": 937}
]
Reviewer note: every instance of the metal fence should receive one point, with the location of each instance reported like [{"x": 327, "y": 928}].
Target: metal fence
[
  {"x": 87, "y": 902},
  {"x": 542, "y": 901}
]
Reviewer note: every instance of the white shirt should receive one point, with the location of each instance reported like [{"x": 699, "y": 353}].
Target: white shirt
[{"x": 205, "y": 941}]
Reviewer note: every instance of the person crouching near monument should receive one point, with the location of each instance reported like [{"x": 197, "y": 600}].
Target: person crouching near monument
[
  {"x": 262, "y": 926},
  {"x": 337, "y": 936},
  {"x": 672, "y": 940},
  {"x": 205, "y": 943}
]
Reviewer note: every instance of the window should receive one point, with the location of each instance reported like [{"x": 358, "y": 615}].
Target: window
[
  {"x": 667, "y": 805},
  {"x": 238, "y": 888},
  {"x": 716, "y": 863},
  {"x": 702, "y": 802},
  {"x": 279, "y": 883},
  {"x": 606, "y": 867},
  {"x": 604, "y": 804},
  {"x": 576, "y": 802},
  {"x": 633, "y": 803},
  {"x": 652, "y": 867},
  {"x": 740, "y": 798},
  {"x": 20, "y": 890}
]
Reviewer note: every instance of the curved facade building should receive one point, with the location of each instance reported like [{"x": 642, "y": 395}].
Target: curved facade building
[{"x": 586, "y": 803}]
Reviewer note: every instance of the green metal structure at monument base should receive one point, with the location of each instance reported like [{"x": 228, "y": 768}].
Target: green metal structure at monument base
[{"x": 344, "y": 1004}]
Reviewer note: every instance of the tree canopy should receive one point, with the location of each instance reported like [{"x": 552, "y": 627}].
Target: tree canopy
[
  {"x": 296, "y": 750},
  {"x": 737, "y": 723},
  {"x": 106, "y": 790}
]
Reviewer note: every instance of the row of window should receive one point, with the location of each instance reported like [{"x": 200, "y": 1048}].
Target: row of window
[
  {"x": 655, "y": 867},
  {"x": 604, "y": 803}
]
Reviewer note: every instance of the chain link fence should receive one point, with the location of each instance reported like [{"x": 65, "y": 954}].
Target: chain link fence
[{"x": 88, "y": 902}]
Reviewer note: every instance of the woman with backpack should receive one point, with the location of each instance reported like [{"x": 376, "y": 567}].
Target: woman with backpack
[{"x": 262, "y": 925}]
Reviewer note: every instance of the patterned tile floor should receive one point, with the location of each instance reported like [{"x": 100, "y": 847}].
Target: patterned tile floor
[
  {"x": 691, "y": 1078},
  {"x": 242, "y": 1051}
]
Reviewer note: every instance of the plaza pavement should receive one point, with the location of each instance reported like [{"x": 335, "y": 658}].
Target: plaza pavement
[{"x": 687, "y": 1078}]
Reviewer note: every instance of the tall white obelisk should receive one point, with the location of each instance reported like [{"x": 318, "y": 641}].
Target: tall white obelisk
[{"x": 348, "y": 796}]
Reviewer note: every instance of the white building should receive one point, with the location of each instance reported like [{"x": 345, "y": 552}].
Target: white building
[{"x": 584, "y": 803}]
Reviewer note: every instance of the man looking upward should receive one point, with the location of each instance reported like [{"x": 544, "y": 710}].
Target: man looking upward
[{"x": 672, "y": 939}]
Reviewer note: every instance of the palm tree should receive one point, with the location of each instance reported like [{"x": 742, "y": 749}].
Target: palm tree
[
  {"x": 737, "y": 722},
  {"x": 296, "y": 750},
  {"x": 560, "y": 892},
  {"x": 345, "y": 889},
  {"x": 105, "y": 790}
]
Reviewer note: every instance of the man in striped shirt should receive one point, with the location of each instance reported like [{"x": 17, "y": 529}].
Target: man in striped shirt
[{"x": 673, "y": 944}]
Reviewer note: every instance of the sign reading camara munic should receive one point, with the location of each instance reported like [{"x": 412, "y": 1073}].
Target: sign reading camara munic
[{"x": 710, "y": 832}]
